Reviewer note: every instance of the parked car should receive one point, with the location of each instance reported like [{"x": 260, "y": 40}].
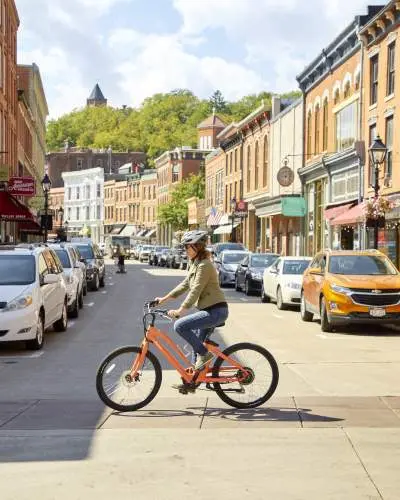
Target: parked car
[
  {"x": 176, "y": 256},
  {"x": 227, "y": 263},
  {"x": 144, "y": 253},
  {"x": 162, "y": 257},
  {"x": 137, "y": 251},
  {"x": 249, "y": 273},
  {"x": 74, "y": 277},
  {"x": 282, "y": 281},
  {"x": 221, "y": 247},
  {"x": 33, "y": 294},
  {"x": 345, "y": 287},
  {"x": 81, "y": 263},
  {"x": 154, "y": 254},
  {"x": 95, "y": 267}
]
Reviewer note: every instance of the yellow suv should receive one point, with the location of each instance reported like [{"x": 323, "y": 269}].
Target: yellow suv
[{"x": 345, "y": 287}]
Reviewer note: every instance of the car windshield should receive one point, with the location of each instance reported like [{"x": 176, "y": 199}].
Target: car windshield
[
  {"x": 17, "y": 269},
  {"x": 361, "y": 265},
  {"x": 295, "y": 266},
  {"x": 233, "y": 258},
  {"x": 262, "y": 260},
  {"x": 86, "y": 251},
  {"x": 229, "y": 246},
  {"x": 64, "y": 258}
]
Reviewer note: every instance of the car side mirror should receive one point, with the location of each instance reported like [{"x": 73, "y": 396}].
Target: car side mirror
[
  {"x": 51, "y": 279},
  {"x": 315, "y": 270}
]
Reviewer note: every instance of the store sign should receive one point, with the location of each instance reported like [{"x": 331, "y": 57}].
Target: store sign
[
  {"x": 22, "y": 186},
  {"x": 4, "y": 171},
  {"x": 294, "y": 206},
  {"x": 242, "y": 209}
]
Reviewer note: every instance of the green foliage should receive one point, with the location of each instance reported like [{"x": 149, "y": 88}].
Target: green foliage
[
  {"x": 162, "y": 122},
  {"x": 175, "y": 212}
]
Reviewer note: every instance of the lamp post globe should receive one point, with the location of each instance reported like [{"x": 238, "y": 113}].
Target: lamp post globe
[{"x": 233, "y": 208}]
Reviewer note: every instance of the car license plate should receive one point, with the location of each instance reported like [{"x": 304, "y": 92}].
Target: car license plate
[{"x": 377, "y": 312}]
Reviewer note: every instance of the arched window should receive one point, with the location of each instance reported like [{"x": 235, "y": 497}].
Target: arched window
[
  {"x": 256, "y": 166},
  {"x": 317, "y": 130},
  {"x": 265, "y": 161},
  {"x": 325, "y": 125},
  {"x": 347, "y": 90},
  {"x": 336, "y": 97},
  {"x": 248, "y": 168},
  {"x": 309, "y": 131}
]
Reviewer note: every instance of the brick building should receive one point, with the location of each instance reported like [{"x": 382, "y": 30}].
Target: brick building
[
  {"x": 333, "y": 159},
  {"x": 214, "y": 198},
  {"x": 381, "y": 111},
  {"x": 73, "y": 158}
]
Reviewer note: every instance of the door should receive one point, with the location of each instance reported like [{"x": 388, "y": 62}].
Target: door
[
  {"x": 315, "y": 282},
  {"x": 46, "y": 292},
  {"x": 100, "y": 260},
  {"x": 242, "y": 270},
  {"x": 272, "y": 279},
  {"x": 58, "y": 293}
]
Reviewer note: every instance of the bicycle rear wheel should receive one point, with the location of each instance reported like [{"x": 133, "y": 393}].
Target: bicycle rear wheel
[
  {"x": 259, "y": 386},
  {"x": 117, "y": 390}
]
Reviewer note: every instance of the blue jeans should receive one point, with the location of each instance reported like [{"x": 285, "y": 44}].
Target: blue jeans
[{"x": 195, "y": 327}]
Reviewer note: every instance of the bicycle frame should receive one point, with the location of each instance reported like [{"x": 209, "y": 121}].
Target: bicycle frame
[{"x": 178, "y": 360}]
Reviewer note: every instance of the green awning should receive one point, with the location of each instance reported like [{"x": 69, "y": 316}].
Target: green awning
[{"x": 293, "y": 206}]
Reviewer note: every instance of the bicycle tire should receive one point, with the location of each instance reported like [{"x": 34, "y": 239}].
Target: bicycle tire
[
  {"x": 140, "y": 404},
  {"x": 274, "y": 371}
]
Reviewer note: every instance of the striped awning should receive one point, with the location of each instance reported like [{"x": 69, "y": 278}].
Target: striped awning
[{"x": 214, "y": 218}]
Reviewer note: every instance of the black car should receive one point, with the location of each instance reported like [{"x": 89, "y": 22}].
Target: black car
[
  {"x": 250, "y": 271},
  {"x": 220, "y": 247},
  {"x": 95, "y": 267},
  {"x": 176, "y": 257},
  {"x": 155, "y": 254}
]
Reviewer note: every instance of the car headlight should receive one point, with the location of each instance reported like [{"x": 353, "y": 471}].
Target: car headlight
[
  {"x": 340, "y": 289},
  {"x": 20, "y": 302},
  {"x": 294, "y": 286}
]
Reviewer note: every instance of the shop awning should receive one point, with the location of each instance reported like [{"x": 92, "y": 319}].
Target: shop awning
[
  {"x": 226, "y": 229},
  {"x": 13, "y": 210},
  {"x": 31, "y": 227},
  {"x": 214, "y": 218},
  {"x": 225, "y": 219},
  {"x": 129, "y": 230},
  {"x": 117, "y": 228},
  {"x": 333, "y": 212},
  {"x": 151, "y": 233},
  {"x": 142, "y": 233},
  {"x": 350, "y": 216}
]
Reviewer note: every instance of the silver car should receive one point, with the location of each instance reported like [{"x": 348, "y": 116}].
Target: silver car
[{"x": 227, "y": 263}]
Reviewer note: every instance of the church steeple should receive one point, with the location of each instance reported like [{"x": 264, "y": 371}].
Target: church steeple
[{"x": 96, "y": 98}]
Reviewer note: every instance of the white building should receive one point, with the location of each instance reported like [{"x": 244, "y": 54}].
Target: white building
[{"x": 84, "y": 203}]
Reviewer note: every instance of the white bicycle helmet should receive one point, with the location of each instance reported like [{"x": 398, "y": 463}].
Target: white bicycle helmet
[{"x": 193, "y": 237}]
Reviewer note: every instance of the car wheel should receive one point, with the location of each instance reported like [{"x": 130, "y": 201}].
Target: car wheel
[
  {"x": 96, "y": 284},
  {"x": 37, "y": 343},
  {"x": 325, "y": 325},
  {"x": 264, "y": 298},
  {"x": 279, "y": 300},
  {"x": 74, "y": 313},
  {"x": 102, "y": 282},
  {"x": 62, "y": 324},
  {"x": 80, "y": 301},
  {"x": 237, "y": 286},
  {"x": 247, "y": 289},
  {"x": 305, "y": 315},
  {"x": 221, "y": 283}
]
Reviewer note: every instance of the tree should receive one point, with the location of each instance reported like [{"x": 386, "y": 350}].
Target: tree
[
  {"x": 175, "y": 213},
  {"x": 218, "y": 102}
]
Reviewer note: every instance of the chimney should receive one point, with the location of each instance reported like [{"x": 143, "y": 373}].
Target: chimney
[{"x": 276, "y": 106}]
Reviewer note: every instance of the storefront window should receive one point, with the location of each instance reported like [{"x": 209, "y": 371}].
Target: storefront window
[{"x": 346, "y": 126}]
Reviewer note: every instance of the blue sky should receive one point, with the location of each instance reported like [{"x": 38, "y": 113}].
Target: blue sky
[{"x": 134, "y": 48}]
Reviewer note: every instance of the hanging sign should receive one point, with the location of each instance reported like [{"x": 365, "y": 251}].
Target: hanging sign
[{"x": 22, "y": 186}]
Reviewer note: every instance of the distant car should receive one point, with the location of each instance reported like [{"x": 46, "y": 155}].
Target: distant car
[
  {"x": 227, "y": 263},
  {"x": 154, "y": 254},
  {"x": 73, "y": 275},
  {"x": 33, "y": 294},
  {"x": 282, "y": 281},
  {"x": 144, "y": 253},
  {"x": 102, "y": 247},
  {"x": 176, "y": 256},
  {"x": 95, "y": 266},
  {"x": 249, "y": 274},
  {"x": 81, "y": 263},
  {"x": 220, "y": 247},
  {"x": 162, "y": 257}
]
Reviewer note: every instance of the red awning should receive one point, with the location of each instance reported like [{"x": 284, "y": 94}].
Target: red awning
[
  {"x": 13, "y": 210},
  {"x": 31, "y": 227},
  {"x": 333, "y": 212},
  {"x": 352, "y": 216}
]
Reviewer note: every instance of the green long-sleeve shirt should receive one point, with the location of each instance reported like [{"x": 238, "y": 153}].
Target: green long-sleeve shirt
[{"x": 203, "y": 286}]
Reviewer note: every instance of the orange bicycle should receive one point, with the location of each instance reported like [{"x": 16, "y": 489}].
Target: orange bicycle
[{"x": 244, "y": 375}]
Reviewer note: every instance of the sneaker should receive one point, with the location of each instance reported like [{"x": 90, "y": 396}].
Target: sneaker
[{"x": 202, "y": 360}]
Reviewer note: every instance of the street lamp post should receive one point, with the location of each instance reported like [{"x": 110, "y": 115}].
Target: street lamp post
[
  {"x": 233, "y": 209},
  {"x": 377, "y": 154},
  {"x": 46, "y": 185},
  {"x": 66, "y": 230}
]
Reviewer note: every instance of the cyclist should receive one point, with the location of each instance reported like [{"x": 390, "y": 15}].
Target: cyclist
[{"x": 204, "y": 293}]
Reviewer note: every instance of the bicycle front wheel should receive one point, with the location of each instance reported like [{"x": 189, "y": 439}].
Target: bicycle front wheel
[
  {"x": 261, "y": 382},
  {"x": 114, "y": 384}
]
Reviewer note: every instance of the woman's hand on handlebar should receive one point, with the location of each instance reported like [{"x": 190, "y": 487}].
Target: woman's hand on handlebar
[
  {"x": 175, "y": 313},
  {"x": 161, "y": 300}
]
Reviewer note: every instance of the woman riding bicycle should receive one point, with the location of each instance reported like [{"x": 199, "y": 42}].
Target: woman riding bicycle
[{"x": 204, "y": 293}]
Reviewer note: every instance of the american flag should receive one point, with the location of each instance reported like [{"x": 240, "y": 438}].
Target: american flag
[{"x": 214, "y": 217}]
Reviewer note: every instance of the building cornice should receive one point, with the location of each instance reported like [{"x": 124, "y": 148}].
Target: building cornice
[{"x": 385, "y": 21}]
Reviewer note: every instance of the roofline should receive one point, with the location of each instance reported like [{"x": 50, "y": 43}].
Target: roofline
[
  {"x": 35, "y": 68},
  {"x": 377, "y": 16}
]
